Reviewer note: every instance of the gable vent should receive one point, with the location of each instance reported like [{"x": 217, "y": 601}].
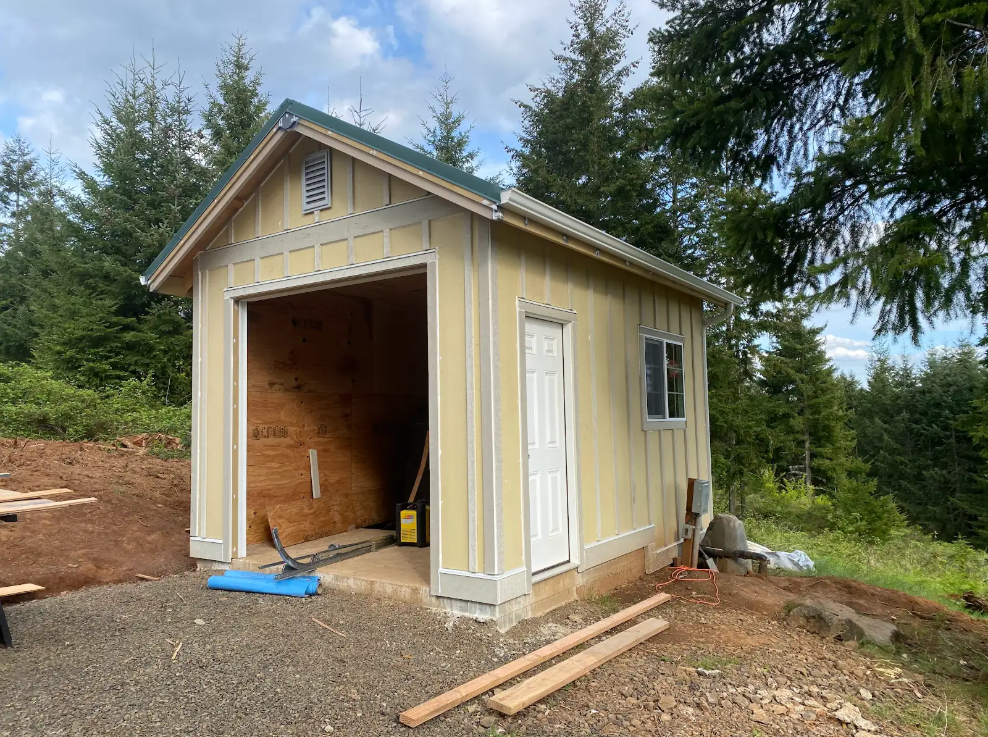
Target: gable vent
[{"x": 316, "y": 182}]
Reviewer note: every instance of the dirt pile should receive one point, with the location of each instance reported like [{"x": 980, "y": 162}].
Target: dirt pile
[{"x": 138, "y": 526}]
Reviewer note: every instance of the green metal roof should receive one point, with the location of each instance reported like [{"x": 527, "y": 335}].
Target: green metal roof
[{"x": 469, "y": 182}]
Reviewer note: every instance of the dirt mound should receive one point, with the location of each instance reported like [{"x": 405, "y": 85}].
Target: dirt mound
[
  {"x": 138, "y": 526},
  {"x": 147, "y": 440}
]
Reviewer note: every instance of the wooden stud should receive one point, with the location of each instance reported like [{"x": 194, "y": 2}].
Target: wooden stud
[
  {"x": 17, "y": 507},
  {"x": 551, "y": 680},
  {"x": 14, "y": 496},
  {"x": 444, "y": 702},
  {"x": 22, "y": 588}
]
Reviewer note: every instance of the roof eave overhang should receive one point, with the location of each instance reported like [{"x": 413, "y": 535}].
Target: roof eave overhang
[{"x": 522, "y": 204}]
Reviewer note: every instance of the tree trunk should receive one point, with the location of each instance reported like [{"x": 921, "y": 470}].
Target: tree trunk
[{"x": 806, "y": 461}]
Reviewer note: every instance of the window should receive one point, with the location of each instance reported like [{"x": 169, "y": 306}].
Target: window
[
  {"x": 663, "y": 379},
  {"x": 316, "y": 182}
]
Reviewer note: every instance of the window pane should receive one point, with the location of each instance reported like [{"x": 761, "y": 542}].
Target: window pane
[
  {"x": 654, "y": 389},
  {"x": 676, "y": 386}
]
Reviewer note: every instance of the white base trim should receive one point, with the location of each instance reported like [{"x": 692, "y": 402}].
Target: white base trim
[
  {"x": 657, "y": 558},
  {"x": 207, "y": 548},
  {"x": 554, "y": 571},
  {"x": 614, "y": 547},
  {"x": 482, "y": 587}
]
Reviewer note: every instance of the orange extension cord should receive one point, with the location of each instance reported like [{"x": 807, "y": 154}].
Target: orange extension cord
[{"x": 681, "y": 573}]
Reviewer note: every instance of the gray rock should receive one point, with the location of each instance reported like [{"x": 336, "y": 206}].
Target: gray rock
[
  {"x": 727, "y": 533},
  {"x": 829, "y": 619}
]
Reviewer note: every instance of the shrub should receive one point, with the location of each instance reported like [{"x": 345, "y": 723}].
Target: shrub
[
  {"x": 36, "y": 405},
  {"x": 853, "y": 508}
]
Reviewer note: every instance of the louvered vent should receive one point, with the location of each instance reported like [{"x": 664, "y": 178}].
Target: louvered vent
[{"x": 315, "y": 182}]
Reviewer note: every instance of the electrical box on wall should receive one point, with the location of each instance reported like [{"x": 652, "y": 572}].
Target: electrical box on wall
[{"x": 702, "y": 497}]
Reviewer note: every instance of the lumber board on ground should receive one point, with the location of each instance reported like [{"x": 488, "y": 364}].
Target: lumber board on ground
[
  {"x": 6, "y": 495},
  {"x": 552, "y": 679},
  {"x": 444, "y": 702},
  {"x": 21, "y": 588},
  {"x": 34, "y": 505}
]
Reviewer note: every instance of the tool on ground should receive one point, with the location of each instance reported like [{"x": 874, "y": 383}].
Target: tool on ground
[{"x": 332, "y": 554}]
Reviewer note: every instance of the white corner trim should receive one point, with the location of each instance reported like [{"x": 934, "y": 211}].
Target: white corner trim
[
  {"x": 483, "y": 587},
  {"x": 207, "y": 548},
  {"x": 614, "y": 547}
]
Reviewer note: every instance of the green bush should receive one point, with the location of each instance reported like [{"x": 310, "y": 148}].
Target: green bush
[
  {"x": 853, "y": 508},
  {"x": 33, "y": 404}
]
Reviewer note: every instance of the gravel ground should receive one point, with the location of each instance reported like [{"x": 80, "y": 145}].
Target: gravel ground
[{"x": 100, "y": 662}]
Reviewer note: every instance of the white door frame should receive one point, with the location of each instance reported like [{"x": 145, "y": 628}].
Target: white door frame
[
  {"x": 393, "y": 266},
  {"x": 566, "y": 318}
]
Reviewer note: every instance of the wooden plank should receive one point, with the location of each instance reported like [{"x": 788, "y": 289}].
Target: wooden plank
[
  {"x": 10, "y": 496},
  {"x": 314, "y": 472},
  {"x": 418, "y": 476},
  {"x": 23, "y": 588},
  {"x": 444, "y": 702},
  {"x": 689, "y": 552},
  {"x": 551, "y": 680},
  {"x": 309, "y": 519},
  {"x": 40, "y": 504}
]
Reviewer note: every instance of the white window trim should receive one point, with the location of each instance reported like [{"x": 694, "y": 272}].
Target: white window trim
[
  {"x": 328, "y": 202},
  {"x": 664, "y": 423}
]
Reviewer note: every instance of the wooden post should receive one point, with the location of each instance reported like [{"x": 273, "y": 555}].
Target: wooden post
[{"x": 689, "y": 548}]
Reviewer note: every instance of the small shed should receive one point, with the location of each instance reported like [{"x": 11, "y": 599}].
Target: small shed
[{"x": 353, "y": 297}]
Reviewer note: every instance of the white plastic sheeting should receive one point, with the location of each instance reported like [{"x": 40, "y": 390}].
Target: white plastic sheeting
[{"x": 797, "y": 560}]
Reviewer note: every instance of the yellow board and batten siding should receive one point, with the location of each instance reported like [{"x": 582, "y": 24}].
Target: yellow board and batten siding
[{"x": 629, "y": 478}]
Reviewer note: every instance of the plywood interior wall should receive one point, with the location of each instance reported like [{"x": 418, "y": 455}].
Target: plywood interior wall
[{"x": 342, "y": 371}]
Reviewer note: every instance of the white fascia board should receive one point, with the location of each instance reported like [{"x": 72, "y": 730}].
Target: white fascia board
[{"x": 521, "y": 203}]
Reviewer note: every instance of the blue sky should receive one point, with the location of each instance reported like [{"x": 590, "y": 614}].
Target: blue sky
[{"x": 57, "y": 55}]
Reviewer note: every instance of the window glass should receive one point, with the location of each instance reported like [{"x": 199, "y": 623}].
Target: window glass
[
  {"x": 675, "y": 384},
  {"x": 654, "y": 389}
]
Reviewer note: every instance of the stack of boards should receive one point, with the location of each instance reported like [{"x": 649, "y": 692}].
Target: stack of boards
[{"x": 552, "y": 679}]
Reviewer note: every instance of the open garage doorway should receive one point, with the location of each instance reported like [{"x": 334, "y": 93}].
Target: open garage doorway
[{"x": 337, "y": 379}]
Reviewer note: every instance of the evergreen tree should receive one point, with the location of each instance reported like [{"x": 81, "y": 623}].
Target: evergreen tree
[
  {"x": 579, "y": 149},
  {"x": 447, "y": 138},
  {"x": 19, "y": 180},
  {"x": 360, "y": 115},
  {"x": 864, "y": 123},
  {"x": 808, "y": 421},
  {"x": 237, "y": 108},
  {"x": 918, "y": 428}
]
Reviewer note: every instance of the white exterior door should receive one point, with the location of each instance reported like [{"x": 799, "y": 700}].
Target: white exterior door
[{"x": 549, "y": 513}]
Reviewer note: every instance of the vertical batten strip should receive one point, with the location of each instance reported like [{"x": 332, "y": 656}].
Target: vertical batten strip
[
  {"x": 471, "y": 439},
  {"x": 488, "y": 317},
  {"x": 425, "y": 235},
  {"x": 387, "y": 242},
  {"x": 593, "y": 398},
  {"x": 286, "y": 184},
  {"x": 351, "y": 251},
  {"x": 610, "y": 405},
  {"x": 349, "y": 186},
  {"x": 197, "y": 306},
  {"x": 387, "y": 189},
  {"x": 545, "y": 270},
  {"x": 634, "y": 433},
  {"x": 650, "y": 494},
  {"x": 521, "y": 267}
]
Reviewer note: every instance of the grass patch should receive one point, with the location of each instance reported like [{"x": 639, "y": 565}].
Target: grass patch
[
  {"x": 908, "y": 560},
  {"x": 607, "y": 602}
]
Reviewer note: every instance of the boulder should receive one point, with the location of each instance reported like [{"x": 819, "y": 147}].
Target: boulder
[
  {"x": 829, "y": 619},
  {"x": 727, "y": 533}
]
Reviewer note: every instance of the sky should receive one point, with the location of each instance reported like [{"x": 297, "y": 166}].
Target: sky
[{"x": 57, "y": 57}]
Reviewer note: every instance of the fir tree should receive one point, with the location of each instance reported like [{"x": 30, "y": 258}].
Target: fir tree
[
  {"x": 577, "y": 149},
  {"x": 19, "y": 180},
  {"x": 864, "y": 124},
  {"x": 361, "y": 114},
  {"x": 237, "y": 108},
  {"x": 447, "y": 138},
  {"x": 808, "y": 422}
]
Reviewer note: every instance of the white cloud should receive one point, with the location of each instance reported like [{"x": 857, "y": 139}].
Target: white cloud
[
  {"x": 855, "y": 354},
  {"x": 840, "y": 342}
]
